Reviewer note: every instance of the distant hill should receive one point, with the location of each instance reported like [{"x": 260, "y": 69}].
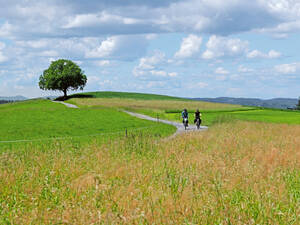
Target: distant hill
[
  {"x": 130, "y": 95},
  {"x": 279, "y": 103},
  {"x": 13, "y": 98}
]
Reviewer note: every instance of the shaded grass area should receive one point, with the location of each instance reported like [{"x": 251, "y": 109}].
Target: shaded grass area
[
  {"x": 126, "y": 95},
  {"x": 40, "y": 119},
  {"x": 235, "y": 173}
]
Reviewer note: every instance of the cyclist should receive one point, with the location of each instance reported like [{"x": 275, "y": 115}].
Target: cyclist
[
  {"x": 185, "y": 115},
  {"x": 197, "y": 116}
]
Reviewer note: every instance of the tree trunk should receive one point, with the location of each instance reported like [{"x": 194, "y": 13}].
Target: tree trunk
[{"x": 65, "y": 94}]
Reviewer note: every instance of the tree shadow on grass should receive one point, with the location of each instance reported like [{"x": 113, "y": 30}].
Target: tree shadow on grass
[{"x": 62, "y": 98}]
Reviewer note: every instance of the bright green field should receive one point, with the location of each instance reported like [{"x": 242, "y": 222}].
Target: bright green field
[
  {"x": 261, "y": 115},
  {"x": 38, "y": 119}
]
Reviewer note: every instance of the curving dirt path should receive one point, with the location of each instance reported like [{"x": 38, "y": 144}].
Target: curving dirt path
[{"x": 179, "y": 126}]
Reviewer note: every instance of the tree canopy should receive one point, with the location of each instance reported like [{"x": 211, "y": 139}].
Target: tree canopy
[{"x": 63, "y": 75}]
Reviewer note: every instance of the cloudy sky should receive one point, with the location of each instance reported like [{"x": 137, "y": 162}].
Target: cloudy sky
[{"x": 190, "y": 48}]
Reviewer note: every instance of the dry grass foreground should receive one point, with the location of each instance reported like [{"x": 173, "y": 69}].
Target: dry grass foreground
[
  {"x": 242, "y": 173},
  {"x": 152, "y": 104}
]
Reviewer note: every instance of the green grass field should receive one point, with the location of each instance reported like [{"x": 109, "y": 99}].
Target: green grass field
[
  {"x": 262, "y": 115},
  {"x": 38, "y": 119}
]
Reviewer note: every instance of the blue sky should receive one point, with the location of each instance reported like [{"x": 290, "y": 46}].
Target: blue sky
[{"x": 190, "y": 48}]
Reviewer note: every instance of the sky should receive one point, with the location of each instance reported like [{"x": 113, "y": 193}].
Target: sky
[{"x": 186, "y": 48}]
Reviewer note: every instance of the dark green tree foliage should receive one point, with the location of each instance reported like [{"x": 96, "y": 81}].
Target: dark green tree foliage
[
  {"x": 63, "y": 75},
  {"x": 298, "y": 106}
]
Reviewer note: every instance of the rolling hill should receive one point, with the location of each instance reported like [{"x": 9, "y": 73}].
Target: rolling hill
[{"x": 279, "y": 103}]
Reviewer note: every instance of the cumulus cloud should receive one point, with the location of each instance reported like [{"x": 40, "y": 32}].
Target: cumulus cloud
[
  {"x": 89, "y": 20},
  {"x": 257, "y": 54},
  {"x": 150, "y": 62},
  {"x": 150, "y": 67},
  {"x": 291, "y": 68},
  {"x": 217, "y": 47},
  {"x": 189, "y": 46},
  {"x": 127, "y": 47},
  {"x": 135, "y": 17},
  {"x": 36, "y": 32}
]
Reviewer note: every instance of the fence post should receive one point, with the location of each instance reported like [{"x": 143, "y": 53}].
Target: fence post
[{"x": 125, "y": 132}]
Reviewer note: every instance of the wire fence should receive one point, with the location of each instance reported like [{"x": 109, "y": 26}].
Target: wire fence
[{"x": 125, "y": 131}]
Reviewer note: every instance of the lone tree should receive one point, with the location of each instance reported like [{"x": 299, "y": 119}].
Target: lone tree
[{"x": 63, "y": 75}]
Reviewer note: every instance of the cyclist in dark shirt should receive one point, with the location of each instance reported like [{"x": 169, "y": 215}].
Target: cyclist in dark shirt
[{"x": 197, "y": 115}]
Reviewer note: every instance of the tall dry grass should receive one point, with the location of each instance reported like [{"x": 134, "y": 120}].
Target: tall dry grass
[{"x": 235, "y": 173}]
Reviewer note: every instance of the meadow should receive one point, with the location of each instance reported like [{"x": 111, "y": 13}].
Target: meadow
[
  {"x": 170, "y": 109},
  {"x": 42, "y": 119},
  {"x": 246, "y": 173},
  {"x": 236, "y": 172}
]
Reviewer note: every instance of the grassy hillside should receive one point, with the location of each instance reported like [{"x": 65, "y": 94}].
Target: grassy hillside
[
  {"x": 237, "y": 172},
  {"x": 38, "y": 119},
  {"x": 211, "y": 112},
  {"x": 241, "y": 173}
]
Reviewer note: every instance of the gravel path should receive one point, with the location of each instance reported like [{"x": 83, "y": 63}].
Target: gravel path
[
  {"x": 179, "y": 126},
  {"x": 67, "y": 104}
]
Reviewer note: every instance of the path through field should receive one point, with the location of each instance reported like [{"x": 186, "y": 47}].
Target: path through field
[
  {"x": 179, "y": 126},
  {"x": 67, "y": 104}
]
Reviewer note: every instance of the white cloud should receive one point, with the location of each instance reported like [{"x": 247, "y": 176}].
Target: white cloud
[
  {"x": 6, "y": 30},
  {"x": 158, "y": 73},
  {"x": 221, "y": 70},
  {"x": 102, "y": 63},
  {"x": 189, "y": 46},
  {"x": 257, "y": 54},
  {"x": 3, "y": 58},
  {"x": 49, "y": 53},
  {"x": 42, "y": 43},
  {"x": 126, "y": 47},
  {"x": 243, "y": 69},
  {"x": 106, "y": 48},
  {"x": 217, "y": 47},
  {"x": 88, "y": 20},
  {"x": 291, "y": 68},
  {"x": 150, "y": 66},
  {"x": 150, "y": 62},
  {"x": 162, "y": 73}
]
